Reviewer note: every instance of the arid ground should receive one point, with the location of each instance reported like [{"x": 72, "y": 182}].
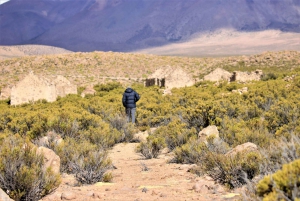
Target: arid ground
[{"x": 138, "y": 179}]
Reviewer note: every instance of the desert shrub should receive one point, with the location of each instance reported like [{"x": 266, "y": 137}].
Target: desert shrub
[
  {"x": 22, "y": 172},
  {"x": 107, "y": 87},
  {"x": 274, "y": 157},
  {"x": 232, "y": 86},
  {"x": 236, "y": 132},
  {"x": 280, "y": 152},
  {"x": 232, "y": 171},
  {"x": 118, "y": 122},
  {"x": 27, "y": 123},
  {"x": 151, "y": 148},
  {"x": 175, "y": 133},
  {"x": 192, "y": 152},
  {"x": 282, "y": 113},
  {"x": 282, "y": 185},
  {"x": 102, "y": 136},
  {"x": 70, "y": 150},
  {"x": 195, "y": 151},
  {"x": 92, "y": 168},
  {"x": 65, "y": 125},
  {"x": 269, "y": 76},
  {"x": 128, "y": 132}
]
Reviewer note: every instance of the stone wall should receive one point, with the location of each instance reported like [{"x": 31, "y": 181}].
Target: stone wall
[
  {"x": 33, "y": 88},
  {"x": 169, "y": 78},
  {"x": 220, "y": 74},
  {"x": 246, "y": 76}
]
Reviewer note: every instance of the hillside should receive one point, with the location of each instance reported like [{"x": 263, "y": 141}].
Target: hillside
[
  {"x": 122, "y": 25},
  {"x": 98, "y": 67},
  {"x": 7, "y": 52}
]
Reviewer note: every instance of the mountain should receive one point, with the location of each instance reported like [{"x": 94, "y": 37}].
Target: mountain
[{"x": 128, "y": 25}]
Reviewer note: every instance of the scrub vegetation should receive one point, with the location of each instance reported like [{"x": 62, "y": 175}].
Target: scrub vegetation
[{"x": 268, "y": 115}]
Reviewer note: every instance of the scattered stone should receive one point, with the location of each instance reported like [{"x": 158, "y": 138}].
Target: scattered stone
[
  {"x": 144, "y": 190},
  {"x": 246, "y": 147},
  {"x": 68, "y": 196},
  {"x": 154, "y": 193},
  {"x": 208, "y": 131},
  {"x": 51, "y": 159},
  {"x": 163, "y": 195}
]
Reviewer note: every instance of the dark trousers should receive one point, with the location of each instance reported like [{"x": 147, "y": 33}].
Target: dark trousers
[{"x": 130, "y": 113}]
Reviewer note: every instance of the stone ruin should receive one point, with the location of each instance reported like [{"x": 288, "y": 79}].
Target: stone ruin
[
  {"x": 246, "y": 76},
  {"x": 220, "y": 74},
  {"x": 33, "y": 88},
  {"x": 169, "y": 78}
]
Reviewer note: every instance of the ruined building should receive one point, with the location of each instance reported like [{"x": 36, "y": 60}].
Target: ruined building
[
  {"x": 33, "y": 88},
  {"x": 220, "y": 74},
  {"x": 169, "y": 78}
]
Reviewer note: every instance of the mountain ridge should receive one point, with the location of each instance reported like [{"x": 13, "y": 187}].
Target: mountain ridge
[{"x": 120, "y": 25}]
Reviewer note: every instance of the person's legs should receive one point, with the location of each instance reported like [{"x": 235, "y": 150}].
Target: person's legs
[
  {"x": 133, "y": 115},
  {"x": 128, "y": 114}
]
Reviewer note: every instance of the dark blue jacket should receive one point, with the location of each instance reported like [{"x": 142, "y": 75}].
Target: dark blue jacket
[{"x": 130, "y": 97}]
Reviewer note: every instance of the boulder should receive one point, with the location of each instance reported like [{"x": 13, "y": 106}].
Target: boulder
[
  {"x": 208, "y": 131},
  {"x": 51, "y": 159},
  {"x": 246, "y": 147},
  {"x": 68, "y": 196}
]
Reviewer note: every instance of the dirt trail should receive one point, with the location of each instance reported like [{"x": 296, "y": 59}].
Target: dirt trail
[{"x": 137, "y": 179}]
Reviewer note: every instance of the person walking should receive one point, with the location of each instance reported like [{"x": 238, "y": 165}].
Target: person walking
[{"x": 130, "y": 97}]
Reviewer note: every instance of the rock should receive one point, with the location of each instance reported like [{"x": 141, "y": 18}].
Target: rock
[
  {"x": 68, "y": 196},
  {"x": 51, "y": 159},
  {"x": 208, "y": 131},
  {"x": 207, "y": 187},
  {"x": 246, "y": 147},
  {"x": 4, "y": 196}
]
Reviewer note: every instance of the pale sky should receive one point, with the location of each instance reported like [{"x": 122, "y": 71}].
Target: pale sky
[{"x": 3, "y": 1}]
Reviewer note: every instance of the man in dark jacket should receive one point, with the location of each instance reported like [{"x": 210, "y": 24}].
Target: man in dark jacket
[{"x": 130, "y": 97}]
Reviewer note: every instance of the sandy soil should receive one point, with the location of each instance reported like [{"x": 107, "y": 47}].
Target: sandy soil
[{"x": 138, "y": 179}]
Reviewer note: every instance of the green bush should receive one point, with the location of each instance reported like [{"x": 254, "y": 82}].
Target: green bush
[
  {"x": 192, "y": 152},
  {"x": 22, "y": 173},
  {"x": 175, "y": 133},
  {"x": 91, "y": 168},
  {"x": 282, "y": 185},
  {"x": 269, "y": 76},
  {"x": 151, "y": 148},
  {"x": 232, "y": 171}
]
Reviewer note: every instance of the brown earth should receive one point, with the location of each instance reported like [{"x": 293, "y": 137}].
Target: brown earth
[{"x": 138, "y": 179}]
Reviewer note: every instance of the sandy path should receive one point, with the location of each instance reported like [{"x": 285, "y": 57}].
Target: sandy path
[{"x": 162, "y": 181}]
